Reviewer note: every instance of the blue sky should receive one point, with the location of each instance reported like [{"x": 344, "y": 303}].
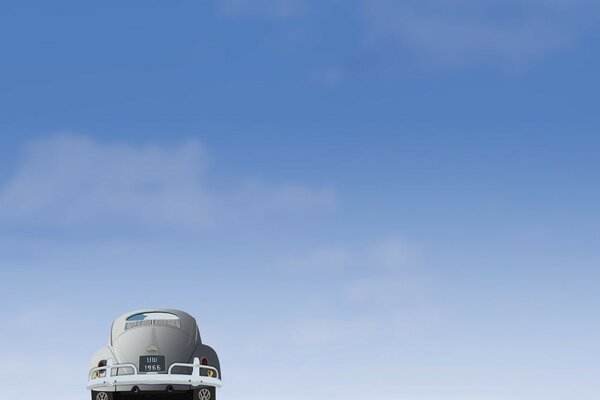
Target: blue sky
[{"x": 368, "y": 196}]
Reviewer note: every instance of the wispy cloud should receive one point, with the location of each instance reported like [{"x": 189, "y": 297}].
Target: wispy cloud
[
  {"x": 71, "y": 181},
  {"x": 359, "y": 305},
  {"x": 509, "y": 34},
  {"x": 377, "y": 281},
  {"x": 391, "y": 254},
  {"x": 463, "y": 32}
]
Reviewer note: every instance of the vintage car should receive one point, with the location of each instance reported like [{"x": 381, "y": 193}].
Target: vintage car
[{"x": 155, "y": 353}]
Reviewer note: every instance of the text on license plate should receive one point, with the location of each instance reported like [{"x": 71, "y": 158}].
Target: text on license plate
[{"x": 152, "y": 363}]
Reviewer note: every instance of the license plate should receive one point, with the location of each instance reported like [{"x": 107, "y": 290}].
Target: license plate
[{"x": 152, "y": 364}]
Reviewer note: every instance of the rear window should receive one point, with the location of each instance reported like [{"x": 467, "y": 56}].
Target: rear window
[
  {"x": 153, "y": 319},
  {"x": 153, "y": 315}
]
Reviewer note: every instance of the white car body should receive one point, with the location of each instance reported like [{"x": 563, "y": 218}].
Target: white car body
[{"x": 154, "y": 353}]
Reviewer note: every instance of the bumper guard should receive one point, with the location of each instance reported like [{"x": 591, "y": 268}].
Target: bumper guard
[{"x": 98, "y": 382}]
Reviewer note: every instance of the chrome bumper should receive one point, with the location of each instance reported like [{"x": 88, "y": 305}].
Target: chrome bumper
[{"x": 108, "y": 381}]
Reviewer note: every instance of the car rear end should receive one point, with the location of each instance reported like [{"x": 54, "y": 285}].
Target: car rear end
[{"x": 157, "y": 354}]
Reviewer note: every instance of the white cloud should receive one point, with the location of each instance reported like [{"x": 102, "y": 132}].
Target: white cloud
[
  {"x": 509, "y": 34},
  {"x": 260, "y": 198},
  {"x": 70, "y": 181},
  {"x": 459, "y": 32},
  {"x": 393, "y": 253},
  {"x": 368, "y": 290},
  {"x": 385, "y": 255},
  {"x": 353, "y": 308},
  {"x": 384, "y": 273}
]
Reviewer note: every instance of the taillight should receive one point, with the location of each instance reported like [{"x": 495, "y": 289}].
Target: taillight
[
  {"x": 209, "y": 372},
  {"x": 101, "y": 364}
]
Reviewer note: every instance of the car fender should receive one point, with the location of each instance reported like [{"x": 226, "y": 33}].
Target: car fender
[
  {"x": 205, "y": 351},
  {"x": 104, "y": 353}
]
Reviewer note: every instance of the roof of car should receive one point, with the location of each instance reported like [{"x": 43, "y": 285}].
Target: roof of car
[{"x": 186, "y": 321}]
